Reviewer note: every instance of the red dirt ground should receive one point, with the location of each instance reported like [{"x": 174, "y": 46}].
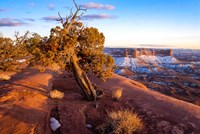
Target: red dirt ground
[{"x": 25, "y": 106}]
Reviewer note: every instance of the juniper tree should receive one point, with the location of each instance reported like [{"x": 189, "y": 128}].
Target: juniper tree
[
  {"x": 11, "y": 51},
  {"x": 35, "y": 50},
  {"x": 6, "y": 56},
  {"x": 78, "y": 49}
]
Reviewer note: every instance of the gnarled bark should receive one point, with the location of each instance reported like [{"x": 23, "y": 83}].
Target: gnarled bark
[{"x": 82, "y": 79}]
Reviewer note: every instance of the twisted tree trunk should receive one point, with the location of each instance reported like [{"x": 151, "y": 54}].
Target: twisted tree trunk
[
  {"x": 79, "y": 74},
  {"x": 82, "y": 79}
]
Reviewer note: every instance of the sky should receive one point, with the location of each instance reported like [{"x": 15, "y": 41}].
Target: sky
[{"x": 125, "y": 23}]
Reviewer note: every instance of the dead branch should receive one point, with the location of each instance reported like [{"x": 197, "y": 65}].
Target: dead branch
[
  {"x": 75, "y": 5},
  {"x": 20, "y": 40},
  {"x": 61, "y": 19},
  {"x": 72, "y": 17}
]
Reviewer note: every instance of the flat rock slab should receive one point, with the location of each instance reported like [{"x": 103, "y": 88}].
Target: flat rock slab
[{"x": 24, "y": 109}]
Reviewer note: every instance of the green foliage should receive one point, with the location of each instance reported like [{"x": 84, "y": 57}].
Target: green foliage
[
  {"x": 36, "y": 53},
  {"x": 12, "y": 51},
  {"x": 7, "y": 55},
  {"x": 86, "y": 43},
  {"x": 90, "y": 52},
  {"x": 60, "y": 46}
]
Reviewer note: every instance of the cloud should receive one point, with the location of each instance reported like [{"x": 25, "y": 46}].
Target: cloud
[
  {"x": 97, "y": 6},
  {"x": 97, "y": 16},
  {"x": 51, "y": 7},
  {"x": 8, "y": 22},
  {"x": 51, "y": 18},
  {"x": 29, "y": 19}
]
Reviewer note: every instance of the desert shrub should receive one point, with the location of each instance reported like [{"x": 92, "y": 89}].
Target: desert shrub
[
  {"x": 121, "y": 122},
  {"x": 4, "y": 77},
  {"x": 117, "y": 93},
  {"x": 11, "y": 52},
  {"x": 55, "y": 94},
  {"x": 6, "y": 54}
]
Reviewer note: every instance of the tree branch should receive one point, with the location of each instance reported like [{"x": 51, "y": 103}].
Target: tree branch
[
  {"x": 61, "y": 19},
  {"x": 75, "y": 5},
  {"x": 72, "y": 17},
  {"x": 20, "y": 40}
]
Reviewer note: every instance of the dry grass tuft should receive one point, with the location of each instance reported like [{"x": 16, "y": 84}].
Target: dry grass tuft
[
  {"x": 117, "y": 93},
  {"x": 55, "y": 94},
  {"x": 4, "y": 77},
  {"x": 121, "y": 122}
]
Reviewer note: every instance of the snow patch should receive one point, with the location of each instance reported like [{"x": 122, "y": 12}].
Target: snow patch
[
  {"x": 158, "y": 59},
  {"x": 127, "y": 62},
  {"x": 153, "y": 64}
]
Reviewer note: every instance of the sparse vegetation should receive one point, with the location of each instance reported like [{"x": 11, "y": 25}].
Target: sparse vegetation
[
  {"x": 11, "y": 51},
  {"x": 56, "y": 94},
  {"x": 121, "y": 122},
  {"x": 6, "y": 54},
  {"x": 117, "y": 93}
]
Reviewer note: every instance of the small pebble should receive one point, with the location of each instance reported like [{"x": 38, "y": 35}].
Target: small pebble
[
  {"x": 54, "y": 124},
  {"x": 89, "y": 126}
]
